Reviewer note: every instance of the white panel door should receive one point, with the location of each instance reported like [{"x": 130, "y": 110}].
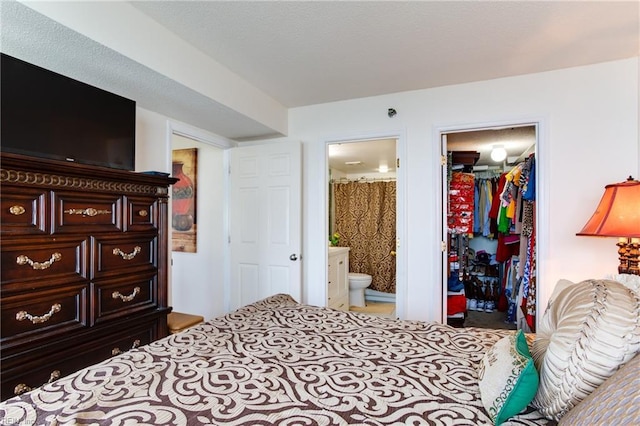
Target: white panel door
[{"x": 264, "y": 222}]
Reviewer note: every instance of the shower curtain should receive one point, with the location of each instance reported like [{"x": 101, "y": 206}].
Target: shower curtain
[{"x": 365, "y": 218}]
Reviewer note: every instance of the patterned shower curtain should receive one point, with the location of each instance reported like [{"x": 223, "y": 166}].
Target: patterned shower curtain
[{"x": 365, "y": 218}]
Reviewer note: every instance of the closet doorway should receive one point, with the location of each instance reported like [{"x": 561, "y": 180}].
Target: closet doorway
[
  {"x": 362, "y": 215},
  {"x": 489, "y": 194}
]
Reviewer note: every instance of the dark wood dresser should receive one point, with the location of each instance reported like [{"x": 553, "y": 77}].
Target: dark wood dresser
[{"x": 84, "y": 267}]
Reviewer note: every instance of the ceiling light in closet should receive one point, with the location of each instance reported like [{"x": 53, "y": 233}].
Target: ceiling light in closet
[
  {"x": 498, "y": 153},
  {"x": 383, "y": 169}
]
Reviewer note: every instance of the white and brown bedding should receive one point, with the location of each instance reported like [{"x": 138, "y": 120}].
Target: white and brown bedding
[{"x": 280, "y": 362}]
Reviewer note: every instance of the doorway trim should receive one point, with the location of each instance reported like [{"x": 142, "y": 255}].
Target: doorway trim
[
  {"x": 182, "y": 129},
  {"x": 174, "y": 127},
  {"x": 542, "y": 194},
  {"x": 401, "y": 211}
]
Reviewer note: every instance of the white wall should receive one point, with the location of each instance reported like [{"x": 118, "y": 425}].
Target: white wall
[
  {"x": 589, "y": 130},
  {"x": 153, "y": 149},
  {"x": 589, "y": 127},
  {"x": 589, "y": 138},
  {"x": 197, "y": 279}
]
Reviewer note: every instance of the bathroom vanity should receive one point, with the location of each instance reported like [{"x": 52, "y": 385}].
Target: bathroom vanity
[{"x": 338, "y": 285}]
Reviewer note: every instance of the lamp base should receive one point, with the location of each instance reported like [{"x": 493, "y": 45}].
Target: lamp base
[
  {"x": 634, "y": 257},
  {"x": 629, "y": 256}
]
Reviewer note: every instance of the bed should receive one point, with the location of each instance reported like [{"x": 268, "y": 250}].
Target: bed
[{"x": 277, "y": 361}]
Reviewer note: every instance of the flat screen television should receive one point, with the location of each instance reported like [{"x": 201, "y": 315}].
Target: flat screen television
[{"x": 45, "y": 114}]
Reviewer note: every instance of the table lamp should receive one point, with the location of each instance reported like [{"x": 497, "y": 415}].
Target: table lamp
[{"x": 618, "y": 215}]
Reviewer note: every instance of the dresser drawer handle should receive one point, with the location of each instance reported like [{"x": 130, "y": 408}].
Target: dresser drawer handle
[
  {"x": 24, "y": 315},
  {"x": 118, "y": 351},
  {"x": 143, "y": 213},
  {"x": 129, "y": 298},
  {"x": 89, "y": 211},
  {"x": 127, "y": 256},
  {"x": 16, "y": 210},
  {"x": 23, "y": 260},
  {"x": 22, "y": 388}
]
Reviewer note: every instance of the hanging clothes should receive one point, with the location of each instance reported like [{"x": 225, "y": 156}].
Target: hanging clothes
[
  {"x": 494, "y": 211},
  {"x": 461, "y": 203},
  {"x": 514, "y": 212},
  {"x": 528, "y": 303},
  {"x": 484, "y": 191}
]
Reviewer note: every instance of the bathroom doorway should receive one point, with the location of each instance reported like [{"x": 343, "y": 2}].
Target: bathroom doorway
[
  {"x": 489, "y": 190},
  {"x": 362, "y": 215}
]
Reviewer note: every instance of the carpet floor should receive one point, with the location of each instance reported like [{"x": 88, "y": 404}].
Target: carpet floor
[{"x": 488, "y": 320}]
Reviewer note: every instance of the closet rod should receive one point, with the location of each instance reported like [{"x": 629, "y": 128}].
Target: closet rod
[
  {"x": 346, "y": 180},
  {"x": 487, "y": 174},
  {"x": 527, "y": 152}
]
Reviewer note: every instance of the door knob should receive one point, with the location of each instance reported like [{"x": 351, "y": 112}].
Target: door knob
[{"x": 293, "y": 257}]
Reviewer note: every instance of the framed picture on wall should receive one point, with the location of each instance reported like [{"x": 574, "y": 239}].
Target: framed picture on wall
[{"x": 183, "y": 200}]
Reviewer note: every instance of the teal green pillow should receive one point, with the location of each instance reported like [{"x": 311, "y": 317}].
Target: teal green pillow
[{"x": 508, "y": 378}]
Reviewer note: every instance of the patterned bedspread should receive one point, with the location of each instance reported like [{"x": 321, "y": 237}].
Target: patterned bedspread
[{"x": 279, "y": 362}]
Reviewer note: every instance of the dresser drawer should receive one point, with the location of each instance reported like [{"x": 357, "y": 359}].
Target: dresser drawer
[
  {"x": 42, "y": 315},
  {"x": 86, "y": 212},
  {"x": 36, "y": 368},
  {"x": 41, "y": 262},
  {"x": 142, "y": 214},
  {"x": 131, "y": 339},
  {"x": 118, "y": 255},
  {"x": 83, "y": 266},
  {"x": 23, "y": 210},
  {"x": 117, "y": 298}
]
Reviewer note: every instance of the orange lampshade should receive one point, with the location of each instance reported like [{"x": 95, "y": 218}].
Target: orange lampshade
[{"x": 618, "y": 214}]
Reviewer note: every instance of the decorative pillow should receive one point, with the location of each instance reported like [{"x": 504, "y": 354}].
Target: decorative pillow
[
  {"x": 629, "y": 280},
  {"x": 613, "y": 402},
  {"x": 560, "y": 285},
  {"x": 538, "y": 350},
  {"x": 508, "y": 378},
  {"x": 589, "y": 330}
]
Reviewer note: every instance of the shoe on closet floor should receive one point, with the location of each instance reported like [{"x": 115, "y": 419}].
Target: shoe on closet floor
[
  {"x": 480, "y": 305},
  {"x": 489, "y": 306},
  {"x": 472, "y": 304}
]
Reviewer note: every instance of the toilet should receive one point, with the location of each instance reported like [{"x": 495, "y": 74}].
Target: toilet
[{"x": 357, "y": 283}]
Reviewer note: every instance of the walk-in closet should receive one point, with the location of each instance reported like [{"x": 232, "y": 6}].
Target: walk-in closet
[{"x": 490, "y": 228}]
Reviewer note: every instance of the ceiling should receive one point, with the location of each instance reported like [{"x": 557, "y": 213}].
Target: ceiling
[
  {"x": 310, "y": 52},
  {"x": 517, "y": 141},
  {"x": 363, "y": 157}
]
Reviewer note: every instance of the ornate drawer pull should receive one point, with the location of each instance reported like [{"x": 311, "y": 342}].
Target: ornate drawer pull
[
  {"x": 127, "y": 256},
  {"x": 22, "y": 388},
  {"x": 23, "y": 260},
  {"x": 143, "y": 213},
  {"x": 118, "y": 351},
  {"x": 129, "y": 298},
  {"x": 23, "y": 315},
  {"x": 16, "y": 210},
  {"x": 89, "y": 211}
]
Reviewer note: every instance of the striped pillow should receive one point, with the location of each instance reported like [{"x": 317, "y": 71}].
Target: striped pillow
[{"x": 613, "y": 402}]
